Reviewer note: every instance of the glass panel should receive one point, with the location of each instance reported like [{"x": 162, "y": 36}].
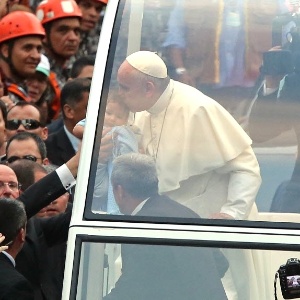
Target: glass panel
[
  {"x": 204, "y": 157},
  {"x": 131, "y": 271}
]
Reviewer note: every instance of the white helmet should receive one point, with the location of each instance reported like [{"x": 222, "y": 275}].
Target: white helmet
[{"x": 44, "y": 65}]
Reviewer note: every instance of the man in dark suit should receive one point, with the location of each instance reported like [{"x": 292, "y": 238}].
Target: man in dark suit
[
  {"x": 62, "y": 144},
  {"x": 13, "y": 285},
  {"x": 51, "y": 265},
  {"x": 41, "y": 233},
  {"x": 153, "y": 271}
]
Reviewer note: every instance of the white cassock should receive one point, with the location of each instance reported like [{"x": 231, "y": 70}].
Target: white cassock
[{"x": 205, "y": 161}]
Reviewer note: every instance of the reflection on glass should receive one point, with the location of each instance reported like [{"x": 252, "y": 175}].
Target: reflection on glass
[
  {"x": 148, "y": 272},
  {"x": 121, "y": 139},
  {"x": 204, "y": 159}
]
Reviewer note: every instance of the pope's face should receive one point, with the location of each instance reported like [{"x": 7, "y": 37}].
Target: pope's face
[{"x": 132, "y": 90}]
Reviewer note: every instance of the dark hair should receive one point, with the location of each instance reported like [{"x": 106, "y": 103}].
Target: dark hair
[
  {"x": 72, "y": 92},
  {"x": 12, "y": 218},
  {"x": 4, "y": 111},
  {"x": 136, "y": 173},
  {"x": 24, "y": 136},
  {"x": 23, "y": 104},
  {"x": 80, "y": 63},
  {"x": 25, "y": 170},
  {"x": 50, "y": 168}
]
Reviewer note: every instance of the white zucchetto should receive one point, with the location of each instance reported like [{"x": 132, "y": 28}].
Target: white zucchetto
[{"x": 148, "y": 63}]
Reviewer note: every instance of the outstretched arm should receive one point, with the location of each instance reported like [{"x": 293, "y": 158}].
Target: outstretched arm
[{"x": 49, "y": 188}]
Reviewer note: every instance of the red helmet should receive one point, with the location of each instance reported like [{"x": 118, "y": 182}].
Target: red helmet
[
  {"x": 100, "y": 1},
  {"x": 19, "y": 24},
  {"x": 50, "y": 10}
]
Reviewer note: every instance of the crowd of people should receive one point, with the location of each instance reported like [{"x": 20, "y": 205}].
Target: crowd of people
[{"x": 47, "y": 51}]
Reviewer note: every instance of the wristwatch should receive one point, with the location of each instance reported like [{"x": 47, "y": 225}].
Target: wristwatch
[{"x": 180, "y": 71}]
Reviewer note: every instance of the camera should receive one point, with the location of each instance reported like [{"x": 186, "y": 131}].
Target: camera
[
  {"x": 285, "y": 34},
  {"x": 289, "y": 278}
]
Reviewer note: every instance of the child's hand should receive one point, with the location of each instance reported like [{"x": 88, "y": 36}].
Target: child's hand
[
  {"x": 78, "y": 131},
  {"x": 106, "y": 146}
]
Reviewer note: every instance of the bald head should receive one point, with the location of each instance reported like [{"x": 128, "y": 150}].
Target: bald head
[{"x": 9, "y": 178}]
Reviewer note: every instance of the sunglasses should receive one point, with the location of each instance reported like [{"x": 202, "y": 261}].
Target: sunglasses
[
  {"x": 28, "y": 157},
  {"x": 29, "y": 124}
]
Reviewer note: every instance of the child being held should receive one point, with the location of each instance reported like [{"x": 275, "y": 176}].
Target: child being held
[{"x": 124, "y": 141}]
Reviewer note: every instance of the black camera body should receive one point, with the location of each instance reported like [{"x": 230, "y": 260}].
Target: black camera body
[
  {"x": 289, "y": 277},
  {"x": 285, "y": 34}
]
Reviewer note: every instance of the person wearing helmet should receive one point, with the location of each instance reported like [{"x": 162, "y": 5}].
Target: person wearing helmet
[
  {"x": 21, "y": 37},
  {"x": 61, "y": 20},
  {"x": 92, "y": 17},
  {"x": 37, "y": 84},
  {"x": 41, "y": 91}
]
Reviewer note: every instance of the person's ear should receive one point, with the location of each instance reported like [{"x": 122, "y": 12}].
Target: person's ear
[
  {"x": 5, "y": 135},
  {"x": 23, "y": 234},
  {"x": 46, "y": 161},
  {"x": 44, "y": 134},
  {"x": 150, "y": 88},
  {"x": 4, "y": 50},
  {"x": 68, "y": 111},
  {"x": 118, "y": 193},
  {"x": 45, "y": 40},
  {"x": 20, "y": 238}
]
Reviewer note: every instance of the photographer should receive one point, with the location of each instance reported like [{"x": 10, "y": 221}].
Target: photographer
[{"x": 277, "y": 109}]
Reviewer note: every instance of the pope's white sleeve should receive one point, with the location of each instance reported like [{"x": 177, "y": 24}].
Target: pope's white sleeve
[{"x": 243, "y": 184}]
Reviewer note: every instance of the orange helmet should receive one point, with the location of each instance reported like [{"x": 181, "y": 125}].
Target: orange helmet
[
  {"x": 50, "y": 10},
  {"x": 101, "y": 1},
  {"x": 19, "y": 24}
]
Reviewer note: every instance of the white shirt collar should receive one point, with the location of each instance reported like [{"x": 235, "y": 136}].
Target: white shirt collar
[
  {"x": 163, "y": 100},
  {"x": 139, "y": 207},
  {"x": 73, "y": 139},
  {"x": 10, "y": 258}
]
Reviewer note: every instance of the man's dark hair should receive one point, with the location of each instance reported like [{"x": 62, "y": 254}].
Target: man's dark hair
[
  {"x": 72, "y": 92},
  {"x": 24, "y": 136},
  {"x": 80, "y": 63},
  {"x": 136, "y": 173},
  {"x": 12, "y": 218},
  {"x": 25, "y": 170},
  {"x": 23, "y": 104}
]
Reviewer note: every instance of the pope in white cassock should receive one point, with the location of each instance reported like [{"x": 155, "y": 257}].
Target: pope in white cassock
[{"x": 203, "y": 157}]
